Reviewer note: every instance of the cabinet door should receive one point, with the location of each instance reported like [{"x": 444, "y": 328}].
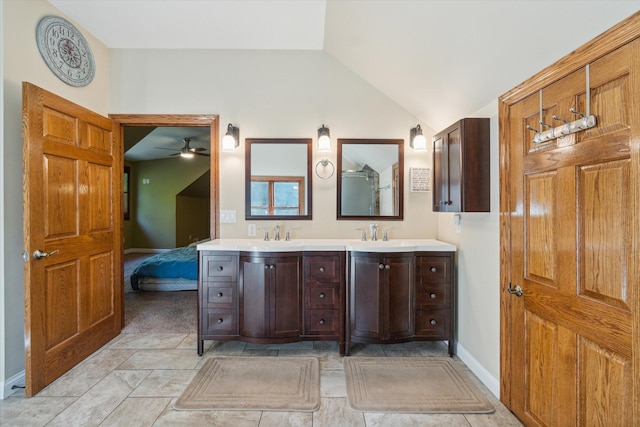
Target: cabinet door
[
  {"x": 366, "y": 310},
  {"x": 285, "y": 297},
  {"x": 440, "y": 172},
  {"x": 399, "y": 282},
  {"x": 254, "y": 296},
  {"x": 454, "y": 161}
]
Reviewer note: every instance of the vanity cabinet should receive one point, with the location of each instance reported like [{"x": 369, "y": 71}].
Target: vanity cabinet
[
  {"x": 461, "y": 167},
  {"x": 324, "y": 294},
  {"x": 380, "y": 297},
  {"x": 217, "y": 296},
  {"x": 399, "y": 297},
  {"x": 270, "y": 296},
  {"x": 434, "y": 298}
]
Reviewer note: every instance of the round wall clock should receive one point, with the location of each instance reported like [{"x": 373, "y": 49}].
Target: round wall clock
[{"x": 65, "y": 51}]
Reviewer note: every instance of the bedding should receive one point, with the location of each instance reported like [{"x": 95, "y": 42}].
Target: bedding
[{"x": 176, "y": 269}]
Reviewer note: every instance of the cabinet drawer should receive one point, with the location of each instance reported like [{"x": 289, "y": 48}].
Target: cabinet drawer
[
  {"x": 322, "y": 296},
  {"x": 219, "y": 322},
  {"x": 432, "y": 295},
  {"x": 322, "y": 268},
  {"x": 321, "y": 322},
  {"x": 219, "y": 295},
  {"x": 433, "y": 269},
  {"x": 433, "y": 323},
  {"x": 219, "y": 267}
]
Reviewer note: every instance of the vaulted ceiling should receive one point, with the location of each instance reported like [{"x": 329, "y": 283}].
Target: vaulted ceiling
[{"x": 439, "y": 59}]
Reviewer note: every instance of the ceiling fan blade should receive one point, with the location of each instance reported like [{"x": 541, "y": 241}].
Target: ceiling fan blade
[
  {"x": 202, "y": 154},
  {"x": 194, "y": 149},
  {"x": 162, "y": 148}
]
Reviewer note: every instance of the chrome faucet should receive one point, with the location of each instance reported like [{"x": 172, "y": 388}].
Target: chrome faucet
[
  {"x": 374, "y": 232},
  {"x": 276, "y": 230},
  {"x": 363, "y": 237}
]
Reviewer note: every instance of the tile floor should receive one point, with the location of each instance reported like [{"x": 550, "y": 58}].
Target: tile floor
[{"x": 134, "y": 380}]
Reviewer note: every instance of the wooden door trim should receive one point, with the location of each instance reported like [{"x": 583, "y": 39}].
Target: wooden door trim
[{"x": 187, "y": 120}]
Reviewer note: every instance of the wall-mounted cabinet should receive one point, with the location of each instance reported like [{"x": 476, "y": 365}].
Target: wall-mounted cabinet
[{"x": 461, "y": 160}]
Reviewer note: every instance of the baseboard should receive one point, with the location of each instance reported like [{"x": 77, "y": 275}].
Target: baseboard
[
  {"x": 483, "y": 375},
  {"x": 144, "y": 250},
  {"x": 7, "y": 385}
]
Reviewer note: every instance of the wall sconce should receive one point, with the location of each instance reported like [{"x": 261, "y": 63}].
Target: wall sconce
[
  {"x": 324, "y": 140},
  {"x": 231, "y": 139},
  {"x": 417, "y": 141}
]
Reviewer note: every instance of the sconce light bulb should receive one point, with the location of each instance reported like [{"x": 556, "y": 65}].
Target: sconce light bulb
[
  {"x": 324, "y": 143},
  {"x": 420, "y": 143},
  {"x": 228, "y": 143}
]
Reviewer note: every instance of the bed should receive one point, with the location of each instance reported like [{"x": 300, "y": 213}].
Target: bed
[{"x": 173, "y": 270}]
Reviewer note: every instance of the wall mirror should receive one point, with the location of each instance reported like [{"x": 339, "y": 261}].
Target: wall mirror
[
  {"x": 370, "y": 184},
  {"x": 278, "y": 179}
]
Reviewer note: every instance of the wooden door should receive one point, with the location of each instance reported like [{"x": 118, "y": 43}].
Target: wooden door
[
  {"x": 399, "y": 280},
  {"x": 254, "y": 297},
  {"x": 285, "y": 297},
  {"x": 72, "y": 210},
  {"x": 571, "y": 205}
]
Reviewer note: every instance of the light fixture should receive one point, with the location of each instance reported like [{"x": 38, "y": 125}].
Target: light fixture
[
  {"x": 417, "y": 141},
  {"x": 231, "y": 139},
  {"x": 186, "y": 153},
  {"x": 324, "y": 140}
]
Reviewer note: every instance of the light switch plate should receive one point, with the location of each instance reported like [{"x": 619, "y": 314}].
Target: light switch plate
[{"x": 227, "y": 217}]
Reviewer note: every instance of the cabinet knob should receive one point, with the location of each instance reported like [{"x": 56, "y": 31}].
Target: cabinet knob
[
  {"x": 433, "y": 296},
  {"x": 220, "y": 320},
  {"x": 271, "y": 267},
  {"x": 433, "y": 322},
  {"x": 387, "y": 267},
  {"x": 219, "y": 294},
  {"x": 322, "y": 269},
  {"x": 381, "y": 266},
  {"x": 220, "y": 268},
  {"x": 322, "y": 295},
  {"x": 321, "y": 322},
  {"x": 266, "y": 266},
  {"x": 433, "y": 269}
]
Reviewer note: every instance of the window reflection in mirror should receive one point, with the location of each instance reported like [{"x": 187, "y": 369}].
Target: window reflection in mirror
[
  {"x": 278, "y": 179},
  {"x": 370, "y": 184}
]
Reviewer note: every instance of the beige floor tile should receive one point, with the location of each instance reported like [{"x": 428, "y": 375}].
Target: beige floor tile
[
  {"x": 96, "y": 404},
  {"x": 305, "y": 345},
  {"x": 375, "y": 419},
  {"x": 367, "y": 350},
  {"x": 259, "y": 352},
  {"x": 162, "y": 359},
  {"x": 328, "y": 359},
  {"x": 137, "y": 412},
  {"x": 173, "y": 418},
  {"x": 391, "y": 352},
  {"x": 87, "y": 374},
  {"x": 19, "y": 411},
  {"x": 332, "y": 383},
  {"x": 286, "y": 419},
  {"x": 165, "y": 383},
  {"x": 147, "y": 341},
  {"x": 191, "y": 342},
  {"x": 335, "y": 412},
  {"x": 226, "y": 347}
]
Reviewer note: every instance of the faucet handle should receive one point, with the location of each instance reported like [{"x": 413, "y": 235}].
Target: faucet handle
[
  {"x": 363, "y": 237},
  {"x": 385, "y": 238},
  {"x": 287, "y": 235}
]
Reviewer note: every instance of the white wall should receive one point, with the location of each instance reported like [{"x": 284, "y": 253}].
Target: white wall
[
  {"x": 478, "y": 272},
  {"x": 22, "y": 62},
  {"x": 273, "y": 94}
]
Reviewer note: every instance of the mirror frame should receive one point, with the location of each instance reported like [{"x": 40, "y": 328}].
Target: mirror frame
[
  {"x": 400, "y": 144},
  {"x": 249, "y": 142}
]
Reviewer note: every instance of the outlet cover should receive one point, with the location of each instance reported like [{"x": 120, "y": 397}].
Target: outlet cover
[{"x": 227, "y": 217}]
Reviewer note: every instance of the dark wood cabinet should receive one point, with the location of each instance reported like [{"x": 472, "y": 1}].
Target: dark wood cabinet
[
  {"x": 380, "y": 297},
  {"x": 324, "y": 297},
  {"x": 461, "y": 167},
  {"x": 270, "y": 296},
  {"x": 398, "y": 297}
]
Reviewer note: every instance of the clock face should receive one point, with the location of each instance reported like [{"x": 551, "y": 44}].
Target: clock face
[{"x": 65, "y": 50}]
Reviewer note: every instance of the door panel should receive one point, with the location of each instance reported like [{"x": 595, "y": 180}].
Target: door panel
[
  {"x": 72, "y": 205},
  {"x": 400, "y": 282},
  {"x": 286, "y": 298},
  {"x": 254, "y": 300}
]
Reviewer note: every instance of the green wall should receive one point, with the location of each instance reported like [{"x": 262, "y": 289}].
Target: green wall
[{"x": 154, "y": 205}]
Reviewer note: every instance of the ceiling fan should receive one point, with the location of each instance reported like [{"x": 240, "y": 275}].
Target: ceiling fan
[{"x": 186, "y": 150}]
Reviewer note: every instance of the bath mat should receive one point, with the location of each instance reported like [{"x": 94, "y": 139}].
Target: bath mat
[
  {"x": 254, "y": 383},
  {"x": 412, "y": 384}
]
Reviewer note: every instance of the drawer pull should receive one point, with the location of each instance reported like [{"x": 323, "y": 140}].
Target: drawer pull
[
  {"x": 322, "y": 295},
  {"x": 220, "y": 268},
  {"x": 321, "y": 322},
  {"x": 219, "y": 294},
  {"x": 433, "y": 322},
  {"x": 433, "y": 269},
  {"x": 220, "y": 320},
  {"x": 322, "y": 269},
  {"x": 381, "y": 266},
  {"x": 387, "y": 267},
  {"x": 432, "y": 296}
]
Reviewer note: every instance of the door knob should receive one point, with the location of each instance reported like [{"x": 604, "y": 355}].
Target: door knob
[
  {"x": 517, "y": 290},
  {"x": 38, "y": 254}
]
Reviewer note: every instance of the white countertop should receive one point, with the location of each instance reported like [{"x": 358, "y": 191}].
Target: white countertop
[{"x": 299, "y": 245}]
